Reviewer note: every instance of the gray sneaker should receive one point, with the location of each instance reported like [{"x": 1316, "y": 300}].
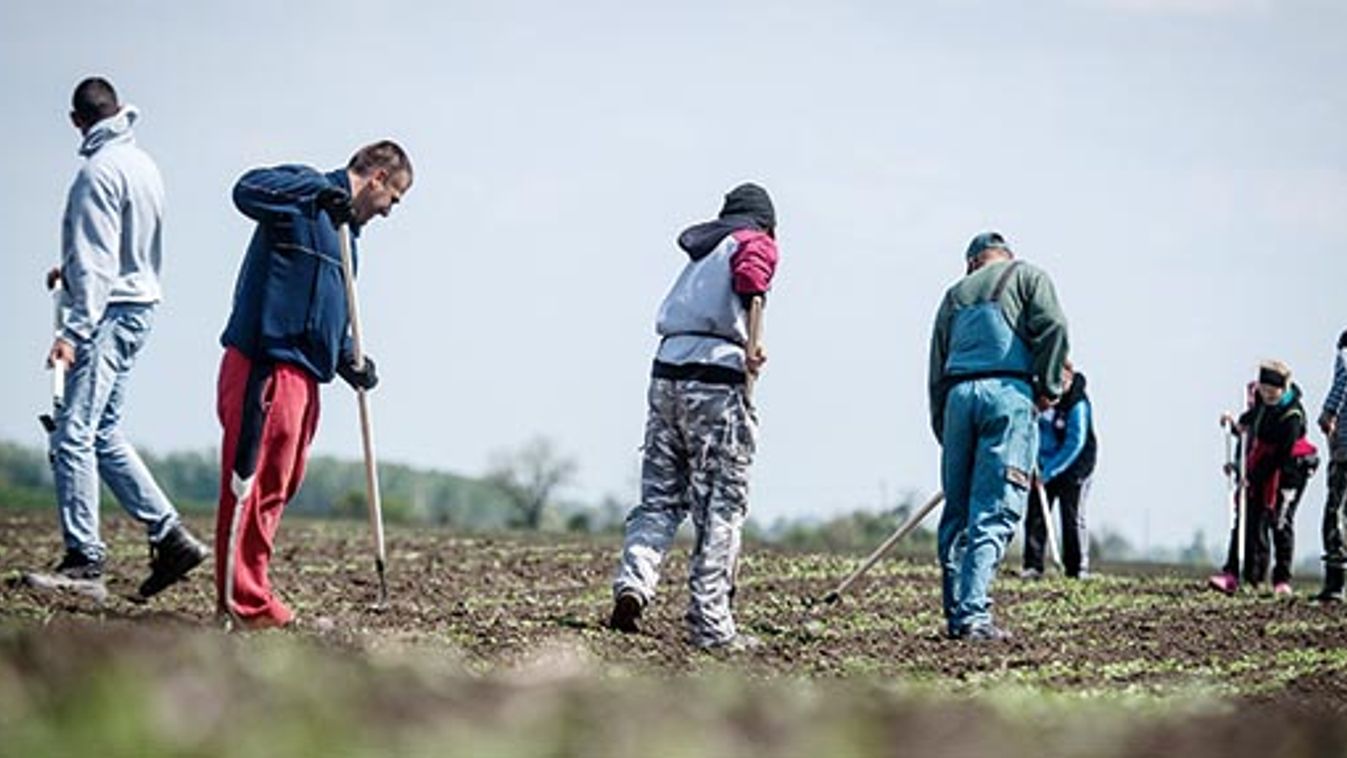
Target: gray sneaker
[
  {"x": 985, "y": 633},
  {"x": 739, "y": 643}
]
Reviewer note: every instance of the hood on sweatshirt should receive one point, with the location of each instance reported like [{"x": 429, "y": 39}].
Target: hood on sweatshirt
[
  {"x": 114, "y": 128},
  {"x": 1077, "y": 389},
  {"x": 747, "y": 206}
]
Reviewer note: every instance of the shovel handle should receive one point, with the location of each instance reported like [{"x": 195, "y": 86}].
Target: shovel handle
[
  {"x": 754, "y": 341},
  {"x": 372, "y": 498}
]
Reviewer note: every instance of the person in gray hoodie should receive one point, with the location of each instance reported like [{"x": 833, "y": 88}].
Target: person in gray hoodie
[
  {"x": 701, "y": 426},
  {"x": 111, "y": 251}
]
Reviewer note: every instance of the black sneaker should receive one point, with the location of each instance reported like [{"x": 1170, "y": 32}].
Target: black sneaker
[
  {"x": 626, "y": 612},
  {"x": 1334, "y": 579},
  {"x": 77, "y": 565},
  {"x": 1328, "y": 597},
  {"x": 170, "y": 560}
]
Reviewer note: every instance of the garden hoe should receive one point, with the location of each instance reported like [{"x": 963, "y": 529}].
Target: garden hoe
[
  {"x": 48, "y": 420},
  {"x": 38, "y": 580},
  {"x": 376, "y": 519},
  {"x": 912, "y": 522},
  {"x": 1241, "y": 498}
]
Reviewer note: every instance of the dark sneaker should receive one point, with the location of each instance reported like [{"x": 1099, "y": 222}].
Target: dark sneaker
[
  {"x": 626, "y": 612},
  {"x": 984, "y": 633},
  {"x": 170, "y": 560},
  {"x": 78, "y": 566},
  {"x": 1334, "y": 579}
]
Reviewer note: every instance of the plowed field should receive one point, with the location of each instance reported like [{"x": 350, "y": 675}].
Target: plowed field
[{"x": 501, "y": 642}]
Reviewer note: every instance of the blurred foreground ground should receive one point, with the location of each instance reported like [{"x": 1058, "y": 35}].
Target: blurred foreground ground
[{"x": 495, "y": 646}]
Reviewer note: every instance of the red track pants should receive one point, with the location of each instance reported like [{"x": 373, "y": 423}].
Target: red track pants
[{"x": 269, "y": 413}]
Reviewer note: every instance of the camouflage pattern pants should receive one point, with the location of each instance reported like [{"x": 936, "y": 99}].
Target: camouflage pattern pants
[{"x": 699, "y": 443}]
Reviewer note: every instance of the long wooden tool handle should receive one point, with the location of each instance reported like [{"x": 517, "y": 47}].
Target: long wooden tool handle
[
  {"x": 1049, "y": 529},
  {"x": 754, "y": 340},
  {"x": 1241, "y": 502},
  {"x": 57, "y": 367},
  {"x": 879, "y": 552},
  {"x": 362, "y": 399}
]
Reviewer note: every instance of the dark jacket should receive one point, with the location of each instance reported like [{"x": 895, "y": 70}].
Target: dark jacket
[
  {"x": 290, "y": 297},
  {"x": 1274, "y": 430}
]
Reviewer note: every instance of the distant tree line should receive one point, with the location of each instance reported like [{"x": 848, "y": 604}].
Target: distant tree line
[
  {"x": 522, "y": 489},
  {"x": 331, "y": 487}
]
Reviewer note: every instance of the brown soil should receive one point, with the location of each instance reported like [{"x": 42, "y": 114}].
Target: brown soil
[{"x": 494, "y": 602}]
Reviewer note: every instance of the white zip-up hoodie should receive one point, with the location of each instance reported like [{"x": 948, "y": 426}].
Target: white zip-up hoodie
[{"x": 111, "y": 237}]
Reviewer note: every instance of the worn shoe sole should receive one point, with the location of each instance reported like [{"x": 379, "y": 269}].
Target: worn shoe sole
[
  {"x": 626, "y": 612},
  {"x": 94, "y": 589}
]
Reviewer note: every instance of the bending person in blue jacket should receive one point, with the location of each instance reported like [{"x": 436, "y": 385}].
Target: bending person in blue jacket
[
  {"x": 1066, "y": 456},
  {"x": 997, "y": 352}
]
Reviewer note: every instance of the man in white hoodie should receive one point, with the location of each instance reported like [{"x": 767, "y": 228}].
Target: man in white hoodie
[{"x": 111, "y": 250}]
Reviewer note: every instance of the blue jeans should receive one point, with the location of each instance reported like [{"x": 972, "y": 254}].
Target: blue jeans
[
  {"x": 88, "y": 441},
  {"x": 989, "y": 448}
]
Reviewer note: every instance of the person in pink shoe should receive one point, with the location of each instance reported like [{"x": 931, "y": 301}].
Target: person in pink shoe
[{"x": 1279, "y": 460}]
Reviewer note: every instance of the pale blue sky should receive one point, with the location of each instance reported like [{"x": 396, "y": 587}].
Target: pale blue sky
[{"x": 1179, "y": 167}]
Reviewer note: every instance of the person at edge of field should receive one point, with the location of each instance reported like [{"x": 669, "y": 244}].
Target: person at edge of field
[
  {"x": 1066, "y": 456},
  {"x": 997, "y": 351},
  {"x": 287, "y": 334},
  {"x": 111, "y": 253},
  {"x": 701, "y": 428},
  {"x": 1279, "y": 462},
  {"x": 1335, "y": 507}
]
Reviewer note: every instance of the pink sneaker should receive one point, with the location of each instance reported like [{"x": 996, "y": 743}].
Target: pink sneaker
[
  {"x": 1226, "y": 583},
  {"x": 1282, "y": 589}
]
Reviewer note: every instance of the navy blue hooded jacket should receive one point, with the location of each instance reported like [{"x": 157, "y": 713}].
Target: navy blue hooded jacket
[{"x": 290, "y": 298}]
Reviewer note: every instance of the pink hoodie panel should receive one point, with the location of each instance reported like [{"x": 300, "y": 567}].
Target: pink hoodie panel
[{"x": 753, "y": 262}]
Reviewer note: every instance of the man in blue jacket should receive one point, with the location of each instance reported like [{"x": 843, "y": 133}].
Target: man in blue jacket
[
  {"x": 111, "y": 251},
  {"x": 1066, "y": 454},
  {"x": 996, "y": 353},
  {"x": 287, "y": 333}
]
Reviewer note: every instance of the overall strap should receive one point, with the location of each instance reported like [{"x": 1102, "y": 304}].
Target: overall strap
[{"x": 1002, "y": 282}]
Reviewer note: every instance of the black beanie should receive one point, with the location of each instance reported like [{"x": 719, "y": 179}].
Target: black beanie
[
  {"x": 1342, "y": 340},
  {"x": 751, "y": 201}
]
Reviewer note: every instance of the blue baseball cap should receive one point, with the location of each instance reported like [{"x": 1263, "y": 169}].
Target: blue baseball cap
[{"x": 985, "y": 241}]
